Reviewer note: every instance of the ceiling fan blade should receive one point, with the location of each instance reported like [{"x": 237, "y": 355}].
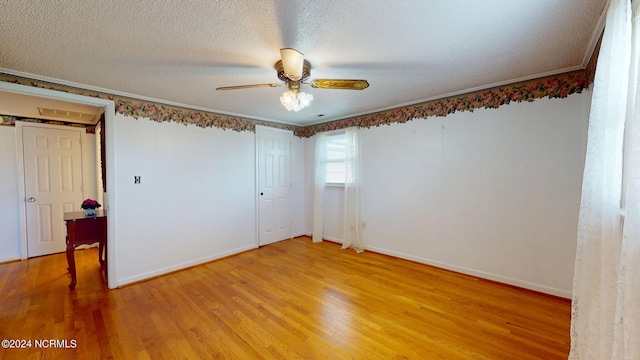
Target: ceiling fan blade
[
  {"x": 292, "y": 62},
  {"x": 339, "y": 84},
  {"x": 237, "y": 87}
]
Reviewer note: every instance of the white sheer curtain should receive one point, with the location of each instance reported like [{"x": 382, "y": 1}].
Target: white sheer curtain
[
  {"x": 605, "y": 321},
  {"x": 352, "y": 232},
  {"x": 320, "y": 183}
]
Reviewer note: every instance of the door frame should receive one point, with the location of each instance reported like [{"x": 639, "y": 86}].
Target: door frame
[
  {"x": 259, "y": 129},
  {"x": 109, "y": 116}
]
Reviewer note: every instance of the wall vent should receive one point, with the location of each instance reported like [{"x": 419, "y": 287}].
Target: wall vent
[{"x": 73, "y": 116}]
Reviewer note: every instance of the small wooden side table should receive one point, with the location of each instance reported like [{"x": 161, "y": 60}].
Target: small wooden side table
[{"x": 83, "y": 230}]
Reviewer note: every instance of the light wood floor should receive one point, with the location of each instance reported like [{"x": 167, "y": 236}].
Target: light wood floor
[{"x": 288, "y": 300}]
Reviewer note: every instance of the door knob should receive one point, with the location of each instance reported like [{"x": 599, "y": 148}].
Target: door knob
[{"x": 31, "y": 199}]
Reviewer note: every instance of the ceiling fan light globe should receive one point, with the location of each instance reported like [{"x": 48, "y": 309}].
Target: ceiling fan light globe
[
  {"x": 288, "y": 100},
  {"x": 295, "y": 101},
  {"x": 288, "y": 97},
  {"x": 305, "y": 99}
]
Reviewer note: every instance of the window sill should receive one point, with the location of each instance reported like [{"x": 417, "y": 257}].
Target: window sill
[{"x": 335, "y": 185}]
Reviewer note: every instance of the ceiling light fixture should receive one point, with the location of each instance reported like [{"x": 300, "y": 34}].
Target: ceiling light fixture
[
  {"x": 295, "y": 100},
  {"x": 293, "y": 71}
]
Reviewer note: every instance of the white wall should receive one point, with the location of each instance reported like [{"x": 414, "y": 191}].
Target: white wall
[
  {"x": 493, "y": 193},
  {"x": 298, "y": 191},
  {"x": 309, "y": 168},
  {"x": 9, "y": 219},
  {"x": 196, "y": 200}
]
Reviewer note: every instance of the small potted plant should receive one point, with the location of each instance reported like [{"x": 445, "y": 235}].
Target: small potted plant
[{"x": 90, "y": 206}]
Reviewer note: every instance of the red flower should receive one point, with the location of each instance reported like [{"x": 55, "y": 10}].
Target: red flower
[{"x": 90, "y": 204}]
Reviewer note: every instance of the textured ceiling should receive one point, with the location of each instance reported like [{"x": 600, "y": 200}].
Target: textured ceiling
[{"x": 178, "y": 52}]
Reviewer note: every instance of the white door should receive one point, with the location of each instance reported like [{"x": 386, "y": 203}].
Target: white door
[
  {"x": 273, "y": 184},
  {"x": 53, "y": 185}
]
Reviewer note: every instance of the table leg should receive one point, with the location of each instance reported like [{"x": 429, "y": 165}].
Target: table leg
[
  {"x": 100, "y": 251},
  {"x": 71, "y": 261},
  {"x": 106, "y": 263}
]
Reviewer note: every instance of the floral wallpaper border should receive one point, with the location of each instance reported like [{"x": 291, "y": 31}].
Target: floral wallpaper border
[
  {"x": 557, "y": 86},
  {"x": 154, "y": 111}
]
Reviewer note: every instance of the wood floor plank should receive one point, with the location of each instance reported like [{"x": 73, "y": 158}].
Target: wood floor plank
[{"x": 289, "y": 300}]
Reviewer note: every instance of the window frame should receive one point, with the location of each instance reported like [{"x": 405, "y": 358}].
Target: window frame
[{"x": 329, "y": 136}]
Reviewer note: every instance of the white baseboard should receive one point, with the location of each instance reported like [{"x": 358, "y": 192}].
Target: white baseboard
[
  {"x": 295, "y": 235},
  {"x": 180, "y": 266},
  {"x": 333, "y": 239},
  {"x": 9, "y": 258},
  {"x": 481, "y": 274},
  {"x": 567, "y": 294}
]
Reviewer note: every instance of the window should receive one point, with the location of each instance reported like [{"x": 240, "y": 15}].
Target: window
[{"x": 336, "y": 151}]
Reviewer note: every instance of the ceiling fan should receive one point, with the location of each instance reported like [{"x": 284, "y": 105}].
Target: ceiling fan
[{"x": 294, "y": 70}]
